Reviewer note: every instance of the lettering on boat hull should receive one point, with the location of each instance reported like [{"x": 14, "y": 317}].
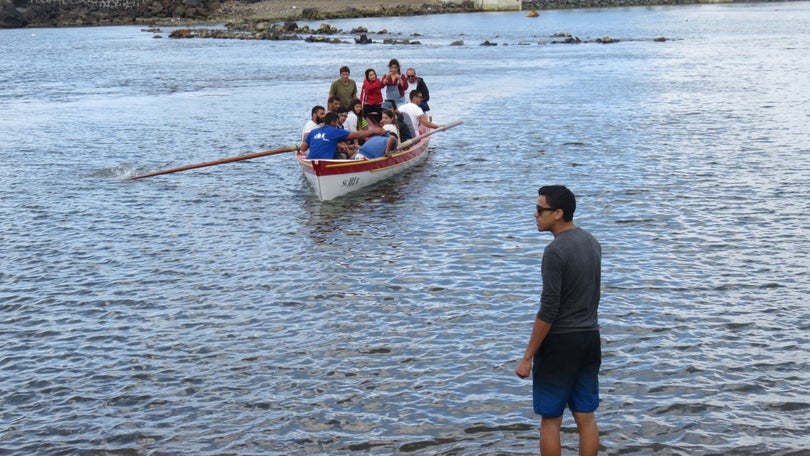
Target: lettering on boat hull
[{"x": 351, "y": 182}]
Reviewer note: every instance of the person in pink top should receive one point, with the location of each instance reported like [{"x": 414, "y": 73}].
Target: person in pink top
[{"x": 371, "y": 95}]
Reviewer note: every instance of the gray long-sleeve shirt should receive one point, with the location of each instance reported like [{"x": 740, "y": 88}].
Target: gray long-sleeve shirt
[{"x": 572, "y": 276}]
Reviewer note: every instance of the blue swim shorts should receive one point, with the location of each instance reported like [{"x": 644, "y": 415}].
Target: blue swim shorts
[{"x": 566, "y": 372}]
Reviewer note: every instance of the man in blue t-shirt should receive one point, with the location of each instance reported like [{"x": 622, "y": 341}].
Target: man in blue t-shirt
[{"x": 322, "y": 143}]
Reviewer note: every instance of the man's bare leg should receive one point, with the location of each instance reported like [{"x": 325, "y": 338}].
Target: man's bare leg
[
  {"x": 588, "y": 434},
  {"x": 550, "y": 436}
]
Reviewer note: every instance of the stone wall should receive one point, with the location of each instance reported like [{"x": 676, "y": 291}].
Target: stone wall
[{"x": 498, "y": 5}]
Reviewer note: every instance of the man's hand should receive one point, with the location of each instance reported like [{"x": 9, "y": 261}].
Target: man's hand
[{"x": 524, "y": 368}]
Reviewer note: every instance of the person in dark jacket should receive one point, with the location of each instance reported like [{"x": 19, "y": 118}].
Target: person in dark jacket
[{"x": 410, "y": 75}]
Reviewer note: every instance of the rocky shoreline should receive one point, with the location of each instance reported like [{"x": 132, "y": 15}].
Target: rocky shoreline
[
  {"x": 64, "y": 13},
  {"x": 67, "y": 13}
]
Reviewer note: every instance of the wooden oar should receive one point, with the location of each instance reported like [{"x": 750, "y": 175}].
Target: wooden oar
[
  {"x": 218, "y": 162},
  {"x": 413, "y": 141}
]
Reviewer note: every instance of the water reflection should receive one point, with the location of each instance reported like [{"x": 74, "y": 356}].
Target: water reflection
[{"x": 377, "y": 204}]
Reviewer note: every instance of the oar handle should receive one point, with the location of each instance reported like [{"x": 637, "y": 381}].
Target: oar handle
[
  {"x": 218, "y": 162},
  {"x": 415, "y": 140}
]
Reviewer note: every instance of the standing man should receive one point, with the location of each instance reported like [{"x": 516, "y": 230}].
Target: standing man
[
  {"x": 344, "y": 88},
  {"x": 564, "y": 345},
  {"x": 410, "y": 74}
]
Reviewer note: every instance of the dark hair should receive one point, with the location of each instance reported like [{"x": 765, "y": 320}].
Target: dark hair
[
  {"x": 333, "y": 98},
  {"x": 370, "y": 70},
  {"x": 390, "y": 114},
  {"x": 559, "y": 197},
  {"x": 394, "y": 62},
  {"x": 354, "y": 103},
  {"x": 345, "y": 69},
  {"x": 342, "y": 110},
  {"x": 330, "y": 118},
  {"x": 317, "y": 108},
  {"x": 414, "y": 93}
]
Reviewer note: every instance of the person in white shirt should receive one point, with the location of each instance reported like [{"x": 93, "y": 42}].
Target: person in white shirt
[
  {"x": 415, "y": 114},
  {"x": 355, "y": 120},
  {"x": 315, "y": 121}
]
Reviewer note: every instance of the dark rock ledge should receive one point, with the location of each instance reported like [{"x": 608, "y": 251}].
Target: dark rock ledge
[{"x": 329, "y": 34}]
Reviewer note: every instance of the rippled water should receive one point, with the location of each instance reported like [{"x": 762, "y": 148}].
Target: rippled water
[{"x": 226, "y": 311}]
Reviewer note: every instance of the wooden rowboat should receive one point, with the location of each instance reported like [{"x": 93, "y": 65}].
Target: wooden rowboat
[{"x": 334, "y": 178}]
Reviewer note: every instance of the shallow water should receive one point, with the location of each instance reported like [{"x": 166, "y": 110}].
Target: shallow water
[{"x": 226, "y": 311}]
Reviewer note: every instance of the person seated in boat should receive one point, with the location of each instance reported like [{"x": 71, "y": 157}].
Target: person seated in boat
[
  {"x": 355, "y": 120},
  {"x": 371, "y": 95},
  {"x": 401, "y": 122},
  {"x": 315, "y": 121},
  {"x": 389, "y": 117},
  {"x": 333, "y": 104},
  {"x": 417, "y": 117},
  {"x": 322, "y": 143},
  {"x": 343, "y": 114},
  {"x": 381, "y": 145},
  {"x": 348, "y": 147}
]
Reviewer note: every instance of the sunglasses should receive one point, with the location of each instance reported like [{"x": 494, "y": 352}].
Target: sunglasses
[{"x": 540, "y": 209}]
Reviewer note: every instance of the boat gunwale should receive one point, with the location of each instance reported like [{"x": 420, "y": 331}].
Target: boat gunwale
[{"x": 342, "y": 166}]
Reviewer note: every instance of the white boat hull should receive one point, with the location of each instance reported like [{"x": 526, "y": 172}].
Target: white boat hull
[{"x": 334, "y": 178}]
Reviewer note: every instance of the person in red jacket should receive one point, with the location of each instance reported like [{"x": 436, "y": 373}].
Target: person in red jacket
[{"x": 371, "y": 96}]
